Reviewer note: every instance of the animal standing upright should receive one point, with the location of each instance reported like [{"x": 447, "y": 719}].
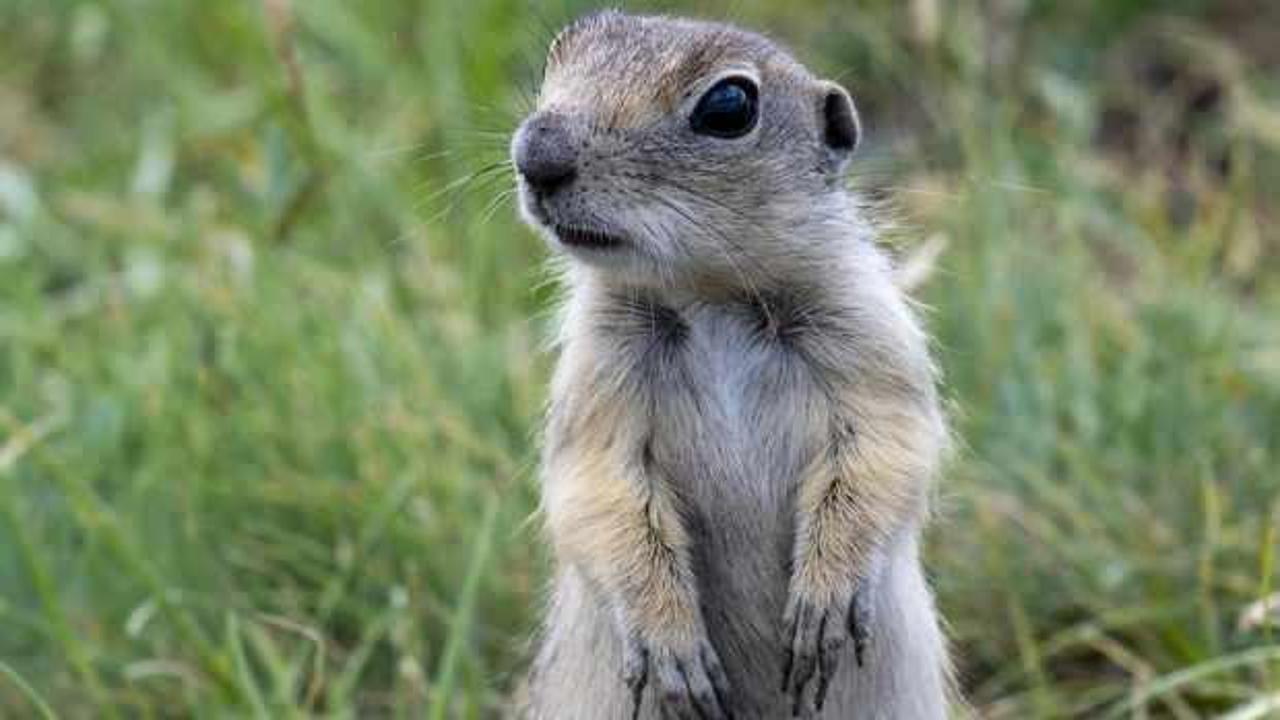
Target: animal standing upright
[{"x": 744, "y": 422}]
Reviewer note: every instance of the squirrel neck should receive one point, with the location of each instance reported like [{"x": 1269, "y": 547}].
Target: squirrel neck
[
  {"x": 817, "y": 253},
  {"x": 820, "y": 264}
]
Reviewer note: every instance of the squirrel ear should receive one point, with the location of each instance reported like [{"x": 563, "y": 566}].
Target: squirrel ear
[{"x": 838, "y": 119}]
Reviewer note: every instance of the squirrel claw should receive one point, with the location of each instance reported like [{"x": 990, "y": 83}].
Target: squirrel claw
[
  {"x": 635, "y": 673},
  {"x": 860, "y": 625},
  {"x": 690, "y": 684},
  {"x": 815, "y": 636}
]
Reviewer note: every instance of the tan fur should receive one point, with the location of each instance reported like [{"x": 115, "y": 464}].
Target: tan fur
[
  {"x": 619, "y": 522},
  {"x": 871, "y": 483}
]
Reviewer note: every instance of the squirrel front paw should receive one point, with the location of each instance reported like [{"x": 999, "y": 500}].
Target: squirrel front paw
[
  {"x": 690, "y": 682},
  {"x": 815, "y": 633}
]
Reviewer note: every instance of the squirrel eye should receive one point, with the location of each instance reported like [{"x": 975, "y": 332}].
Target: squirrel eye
[{"x": 727, "y": 110}]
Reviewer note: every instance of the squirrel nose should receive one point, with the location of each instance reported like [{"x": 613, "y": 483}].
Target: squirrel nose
[{"x": 545, "y": 154}]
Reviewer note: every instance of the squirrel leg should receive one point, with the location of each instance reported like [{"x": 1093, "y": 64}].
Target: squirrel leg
[
  {"x": 865, "y": 485},
  {"x": 613, "y": 516}
]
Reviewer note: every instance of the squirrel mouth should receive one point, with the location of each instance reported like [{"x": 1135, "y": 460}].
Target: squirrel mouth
[{"x": 586, "y": 238}]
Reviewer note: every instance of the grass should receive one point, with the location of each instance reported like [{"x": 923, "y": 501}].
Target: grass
[{"x": 270, "y": 348}]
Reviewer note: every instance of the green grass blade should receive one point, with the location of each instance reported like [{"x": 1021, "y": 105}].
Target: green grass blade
[
  {"x": 464, "y": 609},
  {"x": 46, "y": 712}
]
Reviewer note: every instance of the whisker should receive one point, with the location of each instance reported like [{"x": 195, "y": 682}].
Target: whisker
[
  {"x": 480, "y": 174},
  {"x": 487, "y": 214},
  {"x": 452, "y": 194},
  {"x": 379, "y": 153}
]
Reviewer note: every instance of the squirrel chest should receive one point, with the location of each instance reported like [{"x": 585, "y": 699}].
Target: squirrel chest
[{"x": 732, "y": 405}]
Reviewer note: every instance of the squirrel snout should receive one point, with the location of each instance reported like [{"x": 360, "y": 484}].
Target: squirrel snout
[{"x": 545, "y": 153}]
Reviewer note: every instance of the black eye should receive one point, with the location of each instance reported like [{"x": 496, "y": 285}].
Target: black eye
[{"x": 727, "y": 110}]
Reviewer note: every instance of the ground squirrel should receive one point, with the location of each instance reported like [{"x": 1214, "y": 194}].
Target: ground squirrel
[{"x": 744, "y": 424}]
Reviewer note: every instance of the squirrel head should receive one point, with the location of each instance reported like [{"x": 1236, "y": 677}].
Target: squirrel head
[{"x": 672, "y": 151}]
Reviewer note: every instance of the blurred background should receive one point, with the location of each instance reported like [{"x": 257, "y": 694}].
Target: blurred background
[{"x": 271, "y": 364}]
